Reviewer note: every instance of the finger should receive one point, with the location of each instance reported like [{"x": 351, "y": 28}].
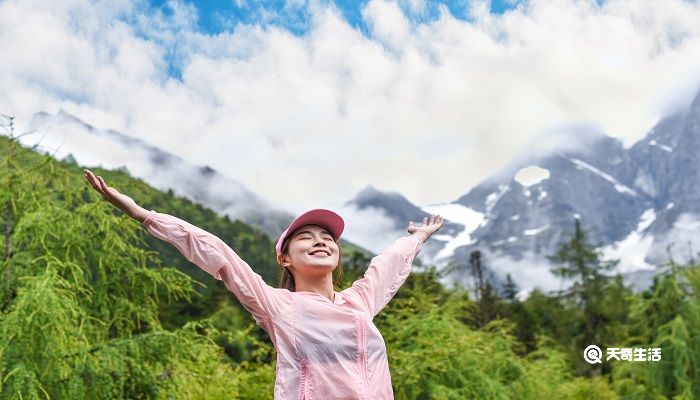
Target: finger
[
  {"x": 104, "y": 189},
  {"x": 96, "y": 185},
  {"x": 87, "y": 176},
  {"x": 93, "y": 181},
  {"x": 103, "y": 184},
  {"x": 425, "y": 220}
]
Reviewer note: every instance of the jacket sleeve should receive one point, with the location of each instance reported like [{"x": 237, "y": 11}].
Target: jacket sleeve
[
  {"x": 385, "y": 274},
  {"x": 212, "y": 255}
]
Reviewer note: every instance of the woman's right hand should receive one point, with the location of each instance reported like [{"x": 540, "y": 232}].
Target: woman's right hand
[{"x": 119, "y": 200}]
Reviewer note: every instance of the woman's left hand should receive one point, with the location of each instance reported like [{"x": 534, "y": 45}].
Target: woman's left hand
[{"x": 427, "y": 228}]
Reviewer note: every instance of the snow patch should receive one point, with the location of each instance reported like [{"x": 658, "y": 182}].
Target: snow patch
[
  {"x": 531, "y": 175},
  {"x": 459, "y": 214},
  {"x": 442, "y": 238},
  {"x": 542, "y": 195},
  {"x": 632, "y": 250},
  {"x": 618, "y": 186},
  {"x": 515, "y": 217},
  {"x": 493, "y": 198},
  {"x": 648, "y": 217},
  {"x": 535, "y": 231},
  {"x": 663, "y": 147}
]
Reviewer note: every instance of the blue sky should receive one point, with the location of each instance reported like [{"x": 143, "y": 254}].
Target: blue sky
[
  {"x": 464, "y": 86},
  {"x": 216, "y": 16}
]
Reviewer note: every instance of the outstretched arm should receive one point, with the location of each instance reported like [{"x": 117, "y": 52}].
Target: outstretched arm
[
  {"x": 203, "y": 249},
  {"x": 389, "y": 270}
]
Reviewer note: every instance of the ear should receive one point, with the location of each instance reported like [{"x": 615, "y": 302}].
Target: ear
[{"x": 283, "y": 260}]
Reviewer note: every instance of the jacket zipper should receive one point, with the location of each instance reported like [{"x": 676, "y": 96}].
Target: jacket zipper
[
  {"x": 304, "y": 373},
  {"x": 363, "y": 354}
]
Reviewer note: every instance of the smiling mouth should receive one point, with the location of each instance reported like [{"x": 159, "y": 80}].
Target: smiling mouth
[{"x": 320, "y": 253}]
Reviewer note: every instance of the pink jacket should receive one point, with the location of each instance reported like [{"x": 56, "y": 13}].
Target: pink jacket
[{"x": 325, "y": 349}]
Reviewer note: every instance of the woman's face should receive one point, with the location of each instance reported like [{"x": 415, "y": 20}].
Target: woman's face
[{"x": 312, "y": 250}]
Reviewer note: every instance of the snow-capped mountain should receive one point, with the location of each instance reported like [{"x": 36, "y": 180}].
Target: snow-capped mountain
[
  {"x": 633, "y": 202},
  {"x": 111, "y": 149},
  {"x": 399, "y": 212}
]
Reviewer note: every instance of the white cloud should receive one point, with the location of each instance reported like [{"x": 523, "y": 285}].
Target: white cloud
[
  {"x": 388, "y": 23},
  {"x": 415, "y": 6},
  {"x": 529, "y": 272},
  {"x": 369, "y": 228},
  {"x": 428, "y": 110}
]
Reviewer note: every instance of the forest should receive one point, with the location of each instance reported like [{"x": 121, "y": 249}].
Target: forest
[{"x": 93, "y": 307}]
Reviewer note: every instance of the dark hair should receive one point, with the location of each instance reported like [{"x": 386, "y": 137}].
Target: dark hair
[{"x": 287, "y": 279}]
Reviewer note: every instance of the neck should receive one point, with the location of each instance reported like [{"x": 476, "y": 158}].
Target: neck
[{"x": 322, "y": 285}]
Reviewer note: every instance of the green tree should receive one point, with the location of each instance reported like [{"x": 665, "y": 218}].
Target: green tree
[
  {"x": 433, "y": 354},
  {"x": 486, "y": 298},
  {"x": 666, "y": 317},
  {"x": 510, "y": 289},
  {"x": 582, "y": 262},
  {"x": 79, "y": 301}
]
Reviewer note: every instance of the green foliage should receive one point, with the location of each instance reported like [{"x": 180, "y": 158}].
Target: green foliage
[
  {"x": 80, "y": 298},
  {"x": 582, "y": 262},
  {"x": 667, "y": 317},
  {"x": 91, "y": 306},
  {"x": 434, "y": 355}
]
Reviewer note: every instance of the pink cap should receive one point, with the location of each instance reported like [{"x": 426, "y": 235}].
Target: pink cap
[{"x": 326, "y": 218}]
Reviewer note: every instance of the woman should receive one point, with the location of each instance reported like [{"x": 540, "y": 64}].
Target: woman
[{"x": 327, "y": 346}]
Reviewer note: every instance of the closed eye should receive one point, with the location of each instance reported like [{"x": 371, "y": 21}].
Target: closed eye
[{"x": 305, "y": 237}]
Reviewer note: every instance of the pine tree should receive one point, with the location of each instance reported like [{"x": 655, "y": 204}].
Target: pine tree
[
  {"x": 668, "y": 317},
  {"x": 510, "y": 289},
  {"x": 485, "y": 295},
  {"x": 582, "y": 262}
]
